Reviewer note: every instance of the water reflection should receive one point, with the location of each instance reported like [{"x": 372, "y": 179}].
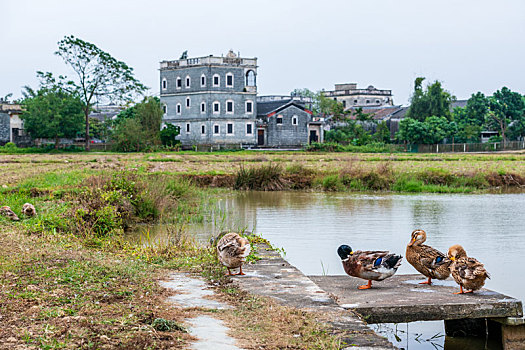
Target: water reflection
[{"x": 310, "y": 227}]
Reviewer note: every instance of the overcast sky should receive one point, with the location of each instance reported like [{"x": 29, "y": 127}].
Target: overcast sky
[{"x": 469, "y": 45}]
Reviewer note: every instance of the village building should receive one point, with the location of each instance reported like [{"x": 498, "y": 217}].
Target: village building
[
  {"x": 212, "y": 99},
  {"x": 351, "y": 97},
  {"x": 285, "y": 122},
  {"x": 12, "y": 126}
]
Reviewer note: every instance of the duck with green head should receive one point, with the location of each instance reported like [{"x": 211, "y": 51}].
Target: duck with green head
[{"x": 369, "y": 265}]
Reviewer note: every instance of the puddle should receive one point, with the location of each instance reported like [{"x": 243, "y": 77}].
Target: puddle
[
  {"x": 212, "y": 334},
  {"x": 192, "y": 293}
]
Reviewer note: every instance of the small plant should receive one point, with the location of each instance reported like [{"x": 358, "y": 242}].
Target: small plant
[{"x": 163, "y": 325}]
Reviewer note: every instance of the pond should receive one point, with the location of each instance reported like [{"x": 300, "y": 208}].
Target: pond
[{"x": 310, "y": 227}]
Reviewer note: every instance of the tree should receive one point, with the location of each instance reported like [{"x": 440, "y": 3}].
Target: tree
[
  {"x": 471, "y": 118},
  {"x": 505, "y": 107},
  {"x": 432, "y": 130},
  {"x": 168, "y": 134},
  {"x": 100, "y": 77},
  {"x": 382, "y": 133},
  {"x": 52, "y": 112},
  {"x": 434, "y": 101},
  {"x": 138, "y": 127}
]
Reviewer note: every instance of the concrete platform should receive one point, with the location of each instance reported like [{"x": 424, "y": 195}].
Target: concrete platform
[
  {"x": 274, "y": 277},
  {"x": 401, "y": 299}
]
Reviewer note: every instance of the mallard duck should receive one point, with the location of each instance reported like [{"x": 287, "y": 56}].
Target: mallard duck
[
  {"x": 427, "y": 260},
  {"x": 232, "y": 250},
  {"x": 369, "y": 265},
  {"x": 467, "y": 272},
  {"x": 28, "y": 209},
  {"x": 6, "y": 211}
]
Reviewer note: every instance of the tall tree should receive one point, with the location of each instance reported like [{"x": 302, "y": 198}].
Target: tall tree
[
  {"x": 433, "y": 101},
  {"x": 99, "y": 76},
  {"x": 505, "y": 107},
  {"x": 52, "y": 111}
]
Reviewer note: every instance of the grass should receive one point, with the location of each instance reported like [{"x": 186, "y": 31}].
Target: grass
[{"x": 66, "y": 284}]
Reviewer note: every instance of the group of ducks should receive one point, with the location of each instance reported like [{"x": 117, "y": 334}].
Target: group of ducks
[
  {"x": 28, "y": 209},
  {"x": 468, "y": 272}
]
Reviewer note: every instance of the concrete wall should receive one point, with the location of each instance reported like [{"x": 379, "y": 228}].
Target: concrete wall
[
  {"x": 287, "y": 134},
  {"x": 5, "y": 128}
]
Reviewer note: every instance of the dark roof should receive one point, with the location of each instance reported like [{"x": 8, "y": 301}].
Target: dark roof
[
  {"x": 379, "y": 113},
  {"x": 265, "y": 108}
]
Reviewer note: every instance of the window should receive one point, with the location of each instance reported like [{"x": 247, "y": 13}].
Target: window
[
  {"x": 229, "y": 106},
  {"x": 229, "y": 80},
  {"x": 279, "y": 119},
  {"x": 216, "y": 129},
  {"x": 367, "y": 101},
  {"x": 203, "y": 80},
  {"x": 344, "y": 104},
  {"x": 335, "y": 98},
  {"x": 179, "y": 108},
  {"x": 216, "y": 80},
  {"x": 249, "y": 107},
  {"x": 229, "y": 128},
  {"x": 355, "y": 102},
  {"x": 203, "y": 107},
  {"x": 249, "y": 129},
  {"x": 164, "y": 84},
  {"x": 294, "y": 120},
  {"x": 216, "y": 107},
  {"x": 187, "y": 128},
  {"x": 179, "y": 82},
  {"x": 377, "y": 101},
  {"x": 188, "y": 102},
  {"x": 188, "y": 82},
  {"x": 164, "y": 109},
  {"x": 250, "y": 78},
  {"x": 203, "y": 129}
]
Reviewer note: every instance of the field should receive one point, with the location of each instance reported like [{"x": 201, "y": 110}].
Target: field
[{"x": 69, "y": 279}]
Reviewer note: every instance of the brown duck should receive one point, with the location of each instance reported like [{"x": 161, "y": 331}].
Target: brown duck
[
  {"x": 369, "y": 265},
  {"x": 467, "y": 272},
  {"x": 232, "y": 251},
  {"x": 28, "y": 209},
  {"x": 425, "y": 259}
]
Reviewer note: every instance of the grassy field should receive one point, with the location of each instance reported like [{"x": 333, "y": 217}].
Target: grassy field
[{"x": 70, "y": 279}]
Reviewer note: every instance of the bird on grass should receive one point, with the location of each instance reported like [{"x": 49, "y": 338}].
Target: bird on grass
[
  {"x": 427, "y": 260},
  {"x": 28, "y": 209},
  {"x": 232, "y": 251},
  {"x": 369, "y": 265},
  {"x": 467, "y": 272},
  {"x": 6, "y": 211}
]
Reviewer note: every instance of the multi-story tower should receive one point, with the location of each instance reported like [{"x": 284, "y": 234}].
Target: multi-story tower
[{"x": 212, "y": 99}]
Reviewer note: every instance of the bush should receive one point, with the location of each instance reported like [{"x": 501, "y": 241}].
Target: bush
[{"x": 263, "y": 178}]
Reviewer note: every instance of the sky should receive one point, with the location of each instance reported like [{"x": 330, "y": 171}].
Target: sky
[{"x": 468, "y": 45}]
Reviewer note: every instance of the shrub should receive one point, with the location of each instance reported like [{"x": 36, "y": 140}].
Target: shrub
[{"x": 263, "y": 178}]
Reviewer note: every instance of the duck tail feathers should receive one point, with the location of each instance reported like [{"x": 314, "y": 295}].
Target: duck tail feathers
[{"x": 394, "y": 261}]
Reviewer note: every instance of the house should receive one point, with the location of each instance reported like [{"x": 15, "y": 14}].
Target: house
[
  {"x": 12, "y": 126},
  {"x": 351, "y": 97},
  {"x": 285, "y": 122},
  {"x": 212, "y": 99}
]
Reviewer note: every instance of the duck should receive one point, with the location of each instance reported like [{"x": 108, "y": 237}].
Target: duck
[
  {"x": 6, "y": 211},
  {"x": 232, "y": 250},
  {"x": 369, "y": 265},
  {"x": 425, "y": 259},
  {"x": 28, "y": 209},
  {"x": 468, "y": 272}
]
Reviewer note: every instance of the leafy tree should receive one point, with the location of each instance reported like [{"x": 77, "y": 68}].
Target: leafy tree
[
  {"x": 128, "y": 136},
  {"x": 434, "y": 101},
  {"x": 305, "y": 92},
  {"x": 382, "y": 133},
  {"x": 138, "y": 127},
  {"x": 352, "y": 133},
  {"x": 168, "y": 134},
  {"x": 505, "y": 107},
  {"x": 100, "y": 77},
  {"x": 432, "y": 130},
  {"x": 52, "y": 112}
]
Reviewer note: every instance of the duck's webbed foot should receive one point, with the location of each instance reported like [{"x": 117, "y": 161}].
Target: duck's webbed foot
[{"x": 366, "y": 286}]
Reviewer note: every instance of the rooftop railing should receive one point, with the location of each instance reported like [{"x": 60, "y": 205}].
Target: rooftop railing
[{"x": 209, "y": 60}]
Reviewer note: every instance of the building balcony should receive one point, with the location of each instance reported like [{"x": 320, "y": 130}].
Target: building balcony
[{"x": 209, "y": 61}]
